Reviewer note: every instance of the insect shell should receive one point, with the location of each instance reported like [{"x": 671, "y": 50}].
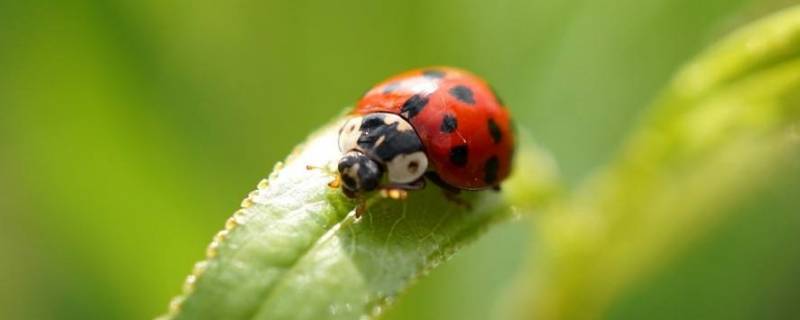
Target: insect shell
[{"x": 441, "y": 123}]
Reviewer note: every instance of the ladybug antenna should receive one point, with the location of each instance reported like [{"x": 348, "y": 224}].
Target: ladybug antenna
[{"x": 327, "y": 170}]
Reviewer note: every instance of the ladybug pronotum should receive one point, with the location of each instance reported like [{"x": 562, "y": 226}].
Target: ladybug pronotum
[{"x": 439, "y": 123}]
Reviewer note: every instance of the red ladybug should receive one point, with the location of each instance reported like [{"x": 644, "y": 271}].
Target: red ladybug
[{"x": 441, "y": 123}]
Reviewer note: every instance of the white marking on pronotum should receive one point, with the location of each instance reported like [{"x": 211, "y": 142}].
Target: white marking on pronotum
[
  {"x": 348, "y": 136},
  {"x": 407, "y": 168},
  {"x": 380, "y": 141},
  {"x": 402, "y": 124}
]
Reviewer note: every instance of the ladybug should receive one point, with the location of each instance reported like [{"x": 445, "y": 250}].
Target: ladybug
[{"x": 440, "y": 123}]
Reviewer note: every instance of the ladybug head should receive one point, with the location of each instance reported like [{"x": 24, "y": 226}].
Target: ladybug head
[
  {"x": 359, "y": 173},
  {"x": 378, "y": 143}
]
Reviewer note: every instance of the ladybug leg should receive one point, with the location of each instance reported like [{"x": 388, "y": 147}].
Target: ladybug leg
[
  {"x": 416, "y": 185},
  {"x": 399, "y": 191},
  {"x": 456, "y": 199},
  {"x": 361, "y": 208},
  {"x": 434, "y": 177},
  {"x": 394, "y": 193},
  {"x": 451, "y": 193},
  {"x": 497, "y": 188}
]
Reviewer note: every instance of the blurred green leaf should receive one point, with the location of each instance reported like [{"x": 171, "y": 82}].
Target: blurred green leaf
[
  {"x": 728, "y": 121},
  {"x": 296, "y": 251}
]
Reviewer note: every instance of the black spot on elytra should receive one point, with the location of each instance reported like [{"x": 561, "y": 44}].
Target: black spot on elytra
[
  {"x": 449, "y": 124},
  {"x": 435, "y": 74},
  {"x": 490, "y": 170},
  {"x": 459, "y": 154},
  {"x": 494, "y": 130},
  {"x": 463, "y": 94},
  {"x": 392, "y": 87},
  {"x": 414, "y": 106},
  {"x": 437, "y": 180}
]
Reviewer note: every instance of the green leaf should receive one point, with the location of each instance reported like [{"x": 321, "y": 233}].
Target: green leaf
[
  {"x": 296, "y": 251},
  {"x": 727, "y": 122}
]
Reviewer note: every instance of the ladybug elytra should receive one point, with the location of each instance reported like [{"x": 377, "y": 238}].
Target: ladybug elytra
[{"x": 441, "y": 123}]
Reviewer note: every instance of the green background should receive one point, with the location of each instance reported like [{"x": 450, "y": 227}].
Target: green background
[{"x": 130, "y": 130}]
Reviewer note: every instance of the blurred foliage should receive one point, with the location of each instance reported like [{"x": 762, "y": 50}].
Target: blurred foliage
[
  {"x": 129, "y": 130},
  {"x": 724, "y": 127}
]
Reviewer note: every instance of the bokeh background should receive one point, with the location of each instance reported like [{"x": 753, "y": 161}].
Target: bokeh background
[{"x": 130, "y": 130}]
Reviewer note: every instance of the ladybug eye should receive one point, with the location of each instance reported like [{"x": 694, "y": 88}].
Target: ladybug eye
[
  {"x": 349, "y": 133},
  {"x": 408, "y": 167}
]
